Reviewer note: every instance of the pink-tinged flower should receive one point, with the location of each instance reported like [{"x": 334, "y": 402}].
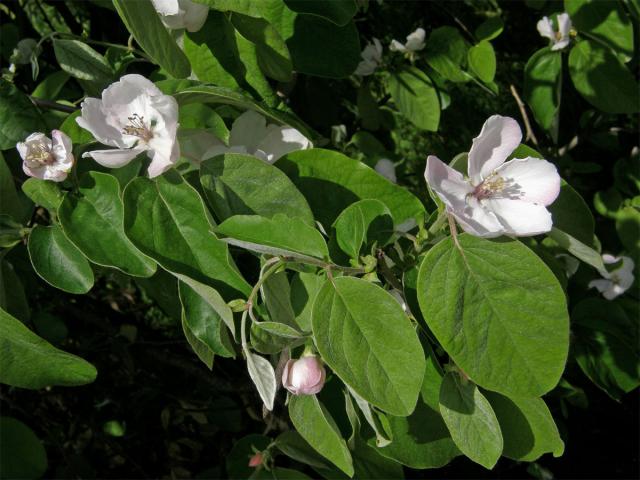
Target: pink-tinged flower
[
  {"x": 46, "y": 158},
  {"x": 256, "y": 460},
  {"x": 560, "y": 38},
  {"x": 304, "y": 376},
  {"x": 177, "y": 14},
  {"x": 617, "y": 281},
  {"x": 387, "y": 169},
  {"x": 250, "y": 134},
  {"x": 371, "y": 58},
  {"x": 415, "y": 42},
  {"x": 498, "y": 197},
  {"x": 134, "y": 116}
]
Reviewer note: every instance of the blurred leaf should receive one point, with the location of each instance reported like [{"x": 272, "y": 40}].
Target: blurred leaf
[
  {"x": 18, "y": 116},
  {"x": 416, "y": 98},
  {"x": 446, "y": 51},
  {"x": 28, "y": 361},
  {"x": 237, "y": 460},
  {"x": 77, "y": 134},
  {"x": 22, "y": 454},
  {"x": 482, "y": 61},
  {"x": 82, "y": 62},
  {"x": 489, "y": 29},
  {"x": 542, "y": 80},
  {"x": 572, "y": 215},
  {"x": 49, "y": 88},
  {"x": 51, "y": 328},
  {"x": 12, "y": 295},
  {"x": 628, "y": 228}
]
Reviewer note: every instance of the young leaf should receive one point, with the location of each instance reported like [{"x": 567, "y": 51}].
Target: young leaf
[
  {"x": 182, "y": 241},
  {"x": 482, "y": 61},
  {"x": 280, "y": 232},
  {"x": 58, "y": 261},
  {"x": 363, "y": 334},
  {"x": 263, "y": 376},
  {"x": 471, "y": 420},
  {"x": 527, "y": 427},
  {"x": 93, "y": 220},
  {"x": 331, "y": 181},
  {"x": 27, "y": 361},
  {"x": 315, "y": 425},
  {"x": 498, "y": 311},
  {"x": 415, "y": 96},
  {"x": 238, "y": 184},
  {"x": 363, "y": 223},
  {"x": 142, "y": 20}
]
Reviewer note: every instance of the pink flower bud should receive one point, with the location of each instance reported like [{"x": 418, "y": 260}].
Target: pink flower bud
[
  {"x": 304, "y": 376},
  {"x": 256, "y": 460}
]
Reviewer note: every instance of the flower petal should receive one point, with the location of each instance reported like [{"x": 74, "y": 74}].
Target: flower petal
[
  {"x": 520, "y": 218},
  {"x": 498, "y": 138},
  {"x": 478, "y": 220},
  {"x": 113, "y": 158},
  {"x": 396, "y": 46},
  {"x": 387, "y": 169},
  {"x": 560, "y": 44},
  {"x": 93, "y": 119},
  {"x": 564, "y": 25},
  {"x": 601, "y": 284},
  {"x": 195, "y": 14},
  {"x": 537, "y": 180},
  {"x": 280, "y": 140},
  {"x": 545, "y": 28},
  {"x": 447, "y": 183},
  {"x": 415, "y": 40},
  {"x": 248, "y": 130},
  {"x": 162, "y": 160}
]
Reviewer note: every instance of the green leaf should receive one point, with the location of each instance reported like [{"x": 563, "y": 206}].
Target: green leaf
[
  {"x": 542, "y": 86},
  {"x": 166, "y": 219},
  {"x": 415, "y": 96},
  {"x": 577, "y": 248},
  {"x": 22, "y": 454},
  {"x": 471, "y": 420},
  {"x": 606, "y": 346},
  {"x": 294, "y": 446},
  {"x": 304, "y": 288},
  {"x": 77, "y": 134},
  {"x": 527, "y": 427},
  {"x": 18, "y": 116},
  {"x": 279, "y": 473},
  {"x": 273, "y": 54},
  {"x": 50, "y": 87},
  {"x": 12, "y": 296},
  {"x": 361, "y": 224},
  {"x": 27, "y": 361},
  {"x": 498, "y": 311},
  {"x": 572, "y": 215},
  {"x": 482, "y": 61},
  {"x": 317, "y": 46},
  {"x": 244, "y": 185},
  {"x": 58, "y": 261},
  {"x": 188, "y": 94},
  {"x": 316, "y": 426},
  {"x": 602, "y": 79},
  {"x": 415, "y": 445},
  {"x": 82, "y": 62},
  {"x": 220, "y": 55},
  {"x": 445, "y": 52},
  {"x": 93, "y": 220},
  {"x": 143, "y": 22},
  {"x": 263, "y": 376},
  {"x": 337, "y": 11},
  {"x": 365, "y": 337},
  {"x": 45, "y": 193},
  {"x": 280, "y": 232},
  {"x": 489, "y": 29},
  {"x": 204, "y": 320},
  {"x": 276, "y": 292},
  {"x": 628, "y": 228},
  {"x": 605, "y": 21},
  {"x": 331, "y": 181},
  {"x": 9, "y": 201}
]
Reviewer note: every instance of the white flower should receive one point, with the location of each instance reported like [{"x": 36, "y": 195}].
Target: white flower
[
  {"x": 46, "y": 158},
  {"x": 387, "y": 169},
  {"x": 134, "y": 116},
  {"x": 498, "y": 197},
  {"x": 251, "y": 135},
  {"x": 560, "y": 38},
  {"x": 415, "y": 42},
  {"x": 177, "y": 14},
  {"x": 371, "y": 58},
  {"x": 616, "y": 282}
]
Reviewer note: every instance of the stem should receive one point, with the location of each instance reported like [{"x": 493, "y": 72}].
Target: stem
[
  {"x": 325, "y": 265},
  {"x": 530, "y": 135},
  {"x": 38, "y": 102},
  {"x": 454, "y": 232},
  {"x": 440, "y": 221}
]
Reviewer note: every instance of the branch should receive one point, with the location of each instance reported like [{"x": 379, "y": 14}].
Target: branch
[
  {"x": 38, "y": 102},
  {"x": 530, "y": 135}
]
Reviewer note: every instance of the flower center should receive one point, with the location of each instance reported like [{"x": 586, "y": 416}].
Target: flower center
[
  {"x": 137, "y": 128},
  {"x": 496, "y": 186},
  {"x": 39, "y": 153},
  {"x": 558, "y": 36}
]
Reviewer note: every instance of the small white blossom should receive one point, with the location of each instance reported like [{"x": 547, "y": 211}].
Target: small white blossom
[
  {"x": 415, "y": 42},
  {"x": 304, "y": 376},
  {"x": 371, "y": 58},
  {"x": 387, "y": 169},
  {"x": 560, "y": 38},
  {"x": 46, "y": 158},
  {"x": 617, "y": 281},
  {"x": 498, "y": 197},
  {"x": 176, "y": 14},
  {"x": 251, "y": 135},
  {"x": 134, "y": 116}
]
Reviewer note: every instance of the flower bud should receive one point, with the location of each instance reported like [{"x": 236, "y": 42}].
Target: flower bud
[
  {"x": 304, "y": 376},
  {"x": 256, "y": 460}
]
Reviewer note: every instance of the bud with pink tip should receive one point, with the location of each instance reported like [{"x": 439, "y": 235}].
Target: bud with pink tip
[
  {"x": 304, "y": 376},
  {"x": 256, "y": 460}
]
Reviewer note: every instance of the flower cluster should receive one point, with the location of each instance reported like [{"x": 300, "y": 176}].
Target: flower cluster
[{"x": 372, "y": 53}]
